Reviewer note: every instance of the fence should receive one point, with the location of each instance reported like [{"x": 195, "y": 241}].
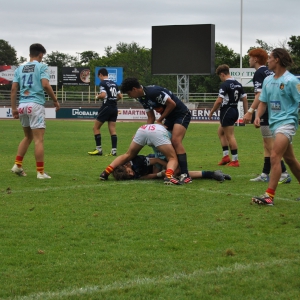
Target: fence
[{"x": 88, "y": 98}]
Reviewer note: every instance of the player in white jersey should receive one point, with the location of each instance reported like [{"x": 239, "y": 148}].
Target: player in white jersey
[
  {"x": 32, "y": 79},
  {"x": 281, "y": 94},
  {"x": 152, "y": 135}
]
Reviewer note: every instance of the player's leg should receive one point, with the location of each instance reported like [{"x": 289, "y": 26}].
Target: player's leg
[
  {"x": 293, "y": 163},
  {"x": 97, "y": 137},
  {"x": 229, "y": 134},
  {"x": 172, "y": 163},
  {"x": 225, "y": 147},
  {"x": 178, "y": 134},
  {"x": 22, "y": 149},
  {"x": 280, "y": 146},
  {"x": 113, "y": 136}
]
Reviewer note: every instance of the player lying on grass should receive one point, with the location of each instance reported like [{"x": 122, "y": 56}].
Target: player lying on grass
[
  {"x": 153, "y": 135},
  {"x": 148, "y": 167}
]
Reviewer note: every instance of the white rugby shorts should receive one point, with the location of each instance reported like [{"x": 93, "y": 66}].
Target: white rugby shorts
[
  {"x": 152, "y": 135},
  {"x": 32, "y": 115}
]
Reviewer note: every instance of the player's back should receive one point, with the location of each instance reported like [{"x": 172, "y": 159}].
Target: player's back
[
  {"x": 111, "y": 89},
  {"x": 29, "y": 78}
]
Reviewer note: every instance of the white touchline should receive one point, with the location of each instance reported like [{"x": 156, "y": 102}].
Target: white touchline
[{"x": 89, "y": 290}]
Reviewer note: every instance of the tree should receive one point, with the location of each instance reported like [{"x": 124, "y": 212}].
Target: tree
[
  {"x": 8, "y": 54},
  {"x": 87, "y": 56},
  {"x": 294, "y": 44}
]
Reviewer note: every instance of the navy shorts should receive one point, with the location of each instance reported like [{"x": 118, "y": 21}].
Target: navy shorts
[
  {"x": 183, "y": 119},
  {"x": 107, "y": 113},
  {"x": 228, "y": 116},
  {"x": 264, "y": 119}
]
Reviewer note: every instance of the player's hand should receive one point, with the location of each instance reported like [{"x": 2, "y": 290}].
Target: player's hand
[
  {"x": 15, "y": 114},
  {"x": 247, "y": 118},
  {"x": 257, "y": 122},
  {"x": 57, "y": 105}
]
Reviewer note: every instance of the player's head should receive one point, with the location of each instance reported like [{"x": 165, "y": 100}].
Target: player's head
[
  {"x": 222, "y": 69},
  {"x": 123, "y": 173},
  {"x": 36, "y": 50},
  {"x": 102, "y": 72},
  {"x": 259, "y": 56},
  {"x": 282, "y": 57},
  {"x": 131, "y": 87}
]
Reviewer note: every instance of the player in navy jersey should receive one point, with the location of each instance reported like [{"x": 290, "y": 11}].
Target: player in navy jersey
[
  {"x": 110, "y": 94},
  {"x": 231, "y": 91},
  {"x": 174, "y": 115},
  {"x": 149, "y": 167},
  {"x": 257, "y": 59}
]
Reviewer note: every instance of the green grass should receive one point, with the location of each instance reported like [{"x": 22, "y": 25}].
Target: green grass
[{"x": 75, "y": 237}]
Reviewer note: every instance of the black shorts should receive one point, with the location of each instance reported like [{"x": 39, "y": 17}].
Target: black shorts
[
  {"x": 264, "y": 119},
  {"x": 183, "y": 119},
  {"x": 107, "y": 113},
  {"x": 228, "y": 116}
]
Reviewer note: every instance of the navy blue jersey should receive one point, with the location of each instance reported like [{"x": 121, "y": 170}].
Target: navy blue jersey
[
  {"x": 141, "y": 166},
  {"x": 231, "y": 91},
  {"x": 258, "y": 78},
  {"x": 260, "y": 74},
  {"x": 111, "y": 90},
  {"x": 155, "y": 99}
]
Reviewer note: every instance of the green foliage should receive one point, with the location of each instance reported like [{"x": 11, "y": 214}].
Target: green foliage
[
  {"x": 75, "y": 237},
  {"x": 87, "y": 56},
  {"x": 8, "y": 54},
  {"x": 294, "y": 44}
]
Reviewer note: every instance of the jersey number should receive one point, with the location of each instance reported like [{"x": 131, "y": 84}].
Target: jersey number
[
  {"x": 236, "y": 95},
  {"x": 113, "y": 92},
  {"x": 27, "y": 80}
]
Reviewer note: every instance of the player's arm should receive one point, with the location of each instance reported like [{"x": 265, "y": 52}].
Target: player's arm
[
  {"x": 157, "y": 160},
  {"x": 119, "y": 96},
  {"x": 245, "y": 102},
  {"x": 260, "y": 111},
  {"x": 48, "y": 89},
  {"x": 101, "y": 96},
  {"x": 151, "y": 117},
  {"x": 13, "y": 99},
  {"x": 216, "y": 106},
  {"x": 252, "y": 108},
  {"x": 170, "y": 105}
]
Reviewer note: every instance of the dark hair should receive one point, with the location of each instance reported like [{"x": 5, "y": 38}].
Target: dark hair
[
  {"x": 103, "y": 72},
  {"x": 284, "y": 57},
  {"x": 120, "y": 173},
  {"x": 36, "y": 49},
  {"x": 128, "y": 84},
  {"x": 260, "y": 54},
  {"x": 222, "y": 69}
]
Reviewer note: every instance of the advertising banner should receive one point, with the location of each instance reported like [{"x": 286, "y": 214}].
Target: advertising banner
[
  {"x": 6, "y": 113},
  {"x": 7, "y": 74},
  {"x": 76, "y": 76},
  {"x": 114, "y": 73},
  {"x": 52, "y": 75},
  {"x": 129, "y": 114},
  {"x": 246, "y": 78}
]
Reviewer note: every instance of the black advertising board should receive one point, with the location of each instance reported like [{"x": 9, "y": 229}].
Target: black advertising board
[{"x": 76, "y": 76}]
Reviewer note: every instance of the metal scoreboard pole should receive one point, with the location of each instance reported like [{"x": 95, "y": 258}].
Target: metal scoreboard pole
[{"x": 183, "y": 87}]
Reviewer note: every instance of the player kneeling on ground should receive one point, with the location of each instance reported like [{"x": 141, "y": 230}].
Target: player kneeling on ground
[{"x": 153, "y": 135}]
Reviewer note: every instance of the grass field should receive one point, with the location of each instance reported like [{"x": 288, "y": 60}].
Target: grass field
[{"x": 75, "y": 237}]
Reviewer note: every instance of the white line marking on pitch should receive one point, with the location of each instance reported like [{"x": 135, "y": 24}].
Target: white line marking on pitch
[{"x": 119, "y": 285}]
